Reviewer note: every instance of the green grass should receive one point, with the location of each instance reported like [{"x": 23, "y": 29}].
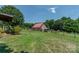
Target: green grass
[{"x": 37, "y": 41}]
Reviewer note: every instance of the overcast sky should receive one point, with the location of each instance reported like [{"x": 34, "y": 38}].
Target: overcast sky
[{"x": 40, "y": 13}]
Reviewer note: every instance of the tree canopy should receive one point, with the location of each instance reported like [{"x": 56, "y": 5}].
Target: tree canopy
[
  {"x": 49, "y": 23},
  {"x": 64, "y": 24},
  {"x": 18, "y": 18}
]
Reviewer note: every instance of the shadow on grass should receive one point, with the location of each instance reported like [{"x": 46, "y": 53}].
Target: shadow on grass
[
  {"x": 4, "y": 48},
  {"x": 23, "y": 52}
]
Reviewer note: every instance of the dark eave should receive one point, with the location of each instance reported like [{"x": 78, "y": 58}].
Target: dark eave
[{"x": 5, "y": 17}]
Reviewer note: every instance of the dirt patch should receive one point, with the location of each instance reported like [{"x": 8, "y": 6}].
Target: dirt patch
[{"x": 4, "y": 35}]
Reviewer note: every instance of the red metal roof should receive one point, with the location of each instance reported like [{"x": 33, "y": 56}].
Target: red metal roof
[{"x": 37, "y": 25}]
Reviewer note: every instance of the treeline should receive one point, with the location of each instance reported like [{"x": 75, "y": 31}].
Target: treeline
[
  {"x": 28, "y": 25},
  {"x": 63, "y": 24}
]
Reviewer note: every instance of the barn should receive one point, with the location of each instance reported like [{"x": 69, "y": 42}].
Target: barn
[{"x": 39, "y": 26}]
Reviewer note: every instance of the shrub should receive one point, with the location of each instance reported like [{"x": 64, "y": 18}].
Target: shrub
[
  {"x": 1, "y": 30},
  {"x": 17, "y": 29},
  {"x": 4, "y": 48}
]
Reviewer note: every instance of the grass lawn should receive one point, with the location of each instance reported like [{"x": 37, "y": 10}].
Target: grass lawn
[{"x": 36, "y": 41}]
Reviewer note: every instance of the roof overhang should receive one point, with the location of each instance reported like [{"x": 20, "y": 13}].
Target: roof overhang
[{"x": 6, "y": 17}]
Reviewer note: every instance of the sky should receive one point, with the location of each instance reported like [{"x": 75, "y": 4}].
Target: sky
[{"x": 41, "y": 13}]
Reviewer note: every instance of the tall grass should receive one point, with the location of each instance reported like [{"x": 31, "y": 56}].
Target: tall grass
[{"x": 37, "y": 41}]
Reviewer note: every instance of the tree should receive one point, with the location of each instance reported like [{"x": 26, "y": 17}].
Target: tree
[
  {"x": 60, "y": 23},
  {"x": 64, "y": 24},
  {"x": 28, "y": 25},
  {"x": 18, "y": 18},
  {"x": 49, "y": 23}
]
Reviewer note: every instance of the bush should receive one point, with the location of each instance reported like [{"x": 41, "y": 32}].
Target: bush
[
  {"x": 4, "y": 48},
  {"x": 17, "y": 29},
  {"x": 1, "y": 30}
]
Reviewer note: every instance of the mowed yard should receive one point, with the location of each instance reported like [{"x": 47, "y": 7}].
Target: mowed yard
[{"x": 37, "y": 41}]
